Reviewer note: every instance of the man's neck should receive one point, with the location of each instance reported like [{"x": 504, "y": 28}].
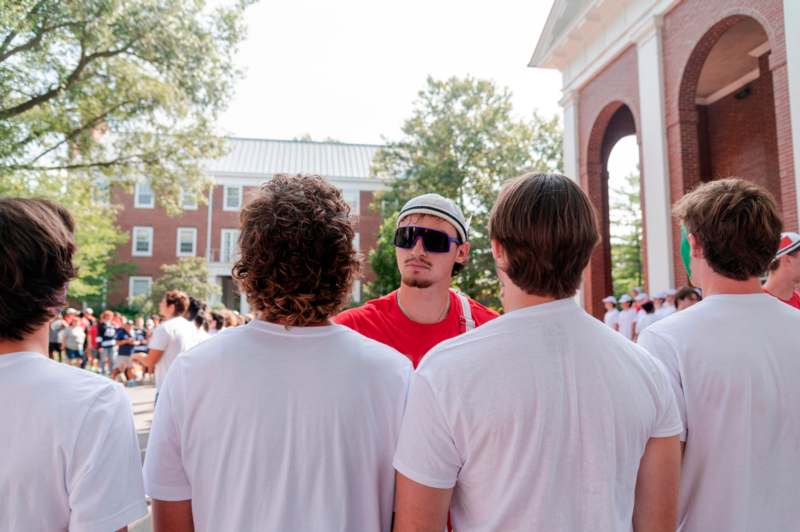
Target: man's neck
[
  {"x": 715, "y": 285},
  {"x": 513, "y": 298},
  {"x": 424, "y": 305},
  {"x": 36, "y": 342},
  {"x": 779, "y": 286}
]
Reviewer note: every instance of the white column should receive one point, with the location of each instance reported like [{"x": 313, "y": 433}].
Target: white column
[
  {"x": 244, "y": 307},
  {"x": 654, "y": 162},
  {"x": 570, "y": 140},
  {"x": 791, "y": 32},
  {"x": 571, "y": 151}
]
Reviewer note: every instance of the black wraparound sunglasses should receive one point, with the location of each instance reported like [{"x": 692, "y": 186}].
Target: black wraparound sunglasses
[{"x": 432, "y": 240}]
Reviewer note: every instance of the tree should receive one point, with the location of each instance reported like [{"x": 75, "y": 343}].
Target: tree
[
  {"x": 382, "y": 261},
  {"x": 115, "y": 89},
  {"x": 461, "y": 141},
  {"x": 189, "y": 275},
  {"x": 96, "y": 235},
  {"x": 98, "y": 93},
  {"x": 626, "y": 236}
]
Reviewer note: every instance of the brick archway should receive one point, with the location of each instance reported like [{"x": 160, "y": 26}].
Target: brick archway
[
  {"x": 748, "y": 123},
  {"x": 615, "y": 121}
]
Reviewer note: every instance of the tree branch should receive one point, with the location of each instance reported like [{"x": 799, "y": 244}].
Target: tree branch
[
  {"x": 14, "y": 32},
  {"x": 72, "y": 134},
  {"x": 119, "y": 161},
  {"x": 74, "y": 76},
  {"x": 33, "y": 41}
]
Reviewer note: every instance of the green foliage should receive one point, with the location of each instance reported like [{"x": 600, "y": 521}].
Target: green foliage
[
  {"x": 463, "y": 142},
  {"x": 189, "y": 275},
  {"x": 99, "y": 93},
  {"x": 96, "y": 235},
  {"x": 383, "y": 262},
  {"x": 626, "y": 236},
  {"x": 115, "y": 88}
]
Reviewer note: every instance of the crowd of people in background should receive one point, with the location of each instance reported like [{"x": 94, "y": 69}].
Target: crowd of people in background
[
  {"x": 421, "y": 407},
  {"x": 117, "y": 346},
  {"x": 637, "y": 310}
]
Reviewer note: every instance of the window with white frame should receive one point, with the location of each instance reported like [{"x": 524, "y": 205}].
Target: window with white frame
[
  {"x": 139, "y": 286},
  {"x": 143, "y": 197},
  {"x": 351, "y": 197},
  {"x": 229, "y": 250},
  {"x": 142, "y": 241},
  {"x": 188, "y": 200},
  {"x": 186, "y": 242},
  {"x": 232, "y": 198},
  {"x": 357, "y": 242}
]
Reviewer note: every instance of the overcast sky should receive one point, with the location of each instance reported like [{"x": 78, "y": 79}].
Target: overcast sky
[{"x": 350, "y": 69}]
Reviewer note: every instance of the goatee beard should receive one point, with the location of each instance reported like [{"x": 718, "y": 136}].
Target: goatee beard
[{"x": 416, "y": 283}]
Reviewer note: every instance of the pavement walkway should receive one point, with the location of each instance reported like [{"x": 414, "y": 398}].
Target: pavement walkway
[{"x": 142, "y": 398}]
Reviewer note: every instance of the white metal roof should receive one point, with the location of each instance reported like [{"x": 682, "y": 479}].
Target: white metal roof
[{"x": 266, "y": 157}]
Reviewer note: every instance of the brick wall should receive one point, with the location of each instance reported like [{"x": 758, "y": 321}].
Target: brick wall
[
  {"x": 740, "y": 135},
  {"x": 165, "y": 229},
  {"x": 600, "y": 126},
  {"x": 690, "y": 31}
]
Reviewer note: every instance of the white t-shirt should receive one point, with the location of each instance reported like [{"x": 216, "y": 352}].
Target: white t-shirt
[
  {"x": 665, "y": 310},
  {"x": 539, "y": 418},
  {"x": 173, "y": 337},
  {"x": 70, "y": 457},
  {"x": 645, "y": 320},
  {"x": 265, "y": 428},
  {"x": 202, "y": 335},
  {"x": 611, "y": 318},
  {"x": 627, "y": 317},
  {"x": 734, "y": 362}
]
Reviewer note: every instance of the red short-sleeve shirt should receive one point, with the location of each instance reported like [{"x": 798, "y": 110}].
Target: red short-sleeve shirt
[{"x": 382, "y": 320}]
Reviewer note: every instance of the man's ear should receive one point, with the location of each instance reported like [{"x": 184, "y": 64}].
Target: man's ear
[
  {"x": 462, "y": 253},
  {"x": 499, "y": 254},
  {"x": 694, "y": 244}
]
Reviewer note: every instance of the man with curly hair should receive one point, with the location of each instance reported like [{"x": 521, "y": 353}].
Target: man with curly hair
[
  {"x": 70, "y": 456},
  {"x": 734, "y": 366},
  {"x": 432, "y": 245},
  {"x": 288, "y": 422}
]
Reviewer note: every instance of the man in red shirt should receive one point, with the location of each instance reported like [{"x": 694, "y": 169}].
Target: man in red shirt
[
  {"x": 432, "y": 245},
  {"x": 784, "y": 271}
]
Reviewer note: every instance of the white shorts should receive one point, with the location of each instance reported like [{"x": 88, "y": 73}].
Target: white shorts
[{"x": 123, "y": 362}]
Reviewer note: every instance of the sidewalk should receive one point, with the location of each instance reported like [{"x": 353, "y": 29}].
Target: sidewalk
[{"x": 142, "y": 398}]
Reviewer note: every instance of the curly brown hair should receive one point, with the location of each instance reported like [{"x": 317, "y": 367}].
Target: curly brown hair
[
  {"x": 297, "y": 261},
  {"x": 35, "y": 263}
]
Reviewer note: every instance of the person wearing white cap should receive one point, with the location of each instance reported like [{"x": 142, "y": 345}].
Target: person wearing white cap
[
  {"x": 611, "y": 317},
  {"x": 784, "y": 271},
  {"x": 542, "y": 419},
  {"x": 668, "y": 306},
  {"x": 646, "y": 315},
  {"x": 627, "y": 316},
  {"x": 431, "y": 245},
  {"x": 734, "y": 366}
]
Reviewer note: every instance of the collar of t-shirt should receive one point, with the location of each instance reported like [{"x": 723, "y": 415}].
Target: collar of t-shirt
[
  {"x": 282, "y": 330},
  {"x": 12, "y": 358}
]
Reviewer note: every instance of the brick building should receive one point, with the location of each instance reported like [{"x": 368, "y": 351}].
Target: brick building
[
  {"x": 710, "y": 88},
  {"x": 211, "y": 230}
]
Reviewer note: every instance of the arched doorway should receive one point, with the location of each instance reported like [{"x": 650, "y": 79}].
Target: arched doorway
[
  {"x": 727, "y": 110},
  {"x": 615, "y": 122},
  {"x": 625, "y": 216}
]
